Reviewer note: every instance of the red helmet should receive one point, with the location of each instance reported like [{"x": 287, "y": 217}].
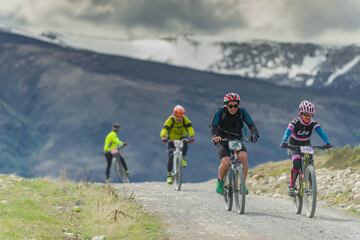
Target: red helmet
[
  {"x": 179, "y": 110},
  {"x": 231, "y": 97},
  {"x": 307, "y": 107}
]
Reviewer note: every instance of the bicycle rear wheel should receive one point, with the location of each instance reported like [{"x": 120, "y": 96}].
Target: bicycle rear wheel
[
  {"x": 120, "y": 171},
  {"x": 239, "y": 190},
  {"x": 178, "y": 174},
  {"x": 228, "y": 190},
  {"x": 298, "y": 195},
  {"x": 310, "y": 191}
]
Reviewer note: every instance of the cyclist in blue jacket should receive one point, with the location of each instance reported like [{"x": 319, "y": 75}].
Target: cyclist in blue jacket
[
  {"x": 228, "y": 122},
  {"x": 299, "y": 130}
]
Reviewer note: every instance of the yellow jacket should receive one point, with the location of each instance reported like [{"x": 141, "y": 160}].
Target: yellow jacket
[
  {"x": 174, "y": 130},
  {"x": 112, "y": 141}
]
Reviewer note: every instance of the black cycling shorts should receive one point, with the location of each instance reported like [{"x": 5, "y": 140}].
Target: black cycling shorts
[{"x": 224, "y": 151}]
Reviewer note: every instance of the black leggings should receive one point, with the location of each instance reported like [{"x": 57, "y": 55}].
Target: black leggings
[
  {"x": 171, "y": 149},
  {"x": 109, "y": 158}
]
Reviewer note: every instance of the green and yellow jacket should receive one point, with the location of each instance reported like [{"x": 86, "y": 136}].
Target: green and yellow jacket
[
  {"x": 112, "y": 141},
  {"x": 174, "y": 130}
]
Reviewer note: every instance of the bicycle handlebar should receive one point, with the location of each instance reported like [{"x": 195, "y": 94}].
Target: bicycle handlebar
[
  {"x": 295, "y": 147},
  {"x": 244, "y": 139},
  {"x": 122, "y": 146},
  {"x": 184, "y": 140}
]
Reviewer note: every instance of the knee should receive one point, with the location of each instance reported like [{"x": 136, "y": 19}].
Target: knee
[
  {"x": 225, "y": 162},
  {"x": 243, "y": 157},
  {"x": 296, "y": 163}
]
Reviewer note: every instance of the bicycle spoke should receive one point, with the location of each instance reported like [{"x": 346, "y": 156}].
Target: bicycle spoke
[
  {"x": 311, "y": 191},
  {"x": 239, "y": 188},
  {"x": 298, "y": 195},
  {"x": 228, "y": 195}
]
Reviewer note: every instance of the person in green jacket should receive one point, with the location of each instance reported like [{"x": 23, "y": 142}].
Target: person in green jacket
[
  {"x": 176, "y": 127},
  {"x": 112, "y": 142}
]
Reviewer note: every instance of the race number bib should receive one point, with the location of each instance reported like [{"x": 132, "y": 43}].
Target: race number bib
[
  {"x": 235, "y": 145},
  {"x": 307, "y": 149},
  {"x": 178, "y": 143}
]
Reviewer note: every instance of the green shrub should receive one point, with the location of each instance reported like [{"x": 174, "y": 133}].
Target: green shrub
[{"x": 344, "y": 157}]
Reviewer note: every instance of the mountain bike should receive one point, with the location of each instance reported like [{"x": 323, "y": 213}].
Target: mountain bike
[
  {"x": 118, "y": 166},
  {"x": 234, "y": 181},
  {"x": 177, "y": 163},
  {"x": 305, "y": 188}
]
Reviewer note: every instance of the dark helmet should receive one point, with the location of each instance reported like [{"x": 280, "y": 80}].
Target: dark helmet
[{"x": 115, "y": 126}]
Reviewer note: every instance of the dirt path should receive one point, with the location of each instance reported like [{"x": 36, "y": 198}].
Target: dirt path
[{"x": 197, "y": 212}]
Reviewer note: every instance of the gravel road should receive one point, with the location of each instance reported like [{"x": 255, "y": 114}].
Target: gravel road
[{"x": 197, "y": 212}]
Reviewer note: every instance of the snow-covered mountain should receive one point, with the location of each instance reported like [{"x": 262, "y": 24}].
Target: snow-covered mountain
[
  {"x": 57, "y": 104},
  {"x": 290, "y": 64}
]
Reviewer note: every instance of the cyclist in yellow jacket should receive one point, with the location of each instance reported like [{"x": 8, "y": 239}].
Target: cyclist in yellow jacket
[
  {"x": 112, "y": 142},
  {"x": 176, "y": 127}
]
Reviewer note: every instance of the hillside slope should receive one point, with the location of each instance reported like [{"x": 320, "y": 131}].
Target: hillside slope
[
  {"x": 64, "y": 100},
  {"x": 299, "y": 65}
]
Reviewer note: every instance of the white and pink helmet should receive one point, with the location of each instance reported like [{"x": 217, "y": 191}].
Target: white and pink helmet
[
  {"x": 306, "y": 107},
  {"x": 231, "y": 97}
]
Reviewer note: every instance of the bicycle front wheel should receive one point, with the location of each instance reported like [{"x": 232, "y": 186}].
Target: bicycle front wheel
[
  {"x": 298, "y": 195},
  {"x": 310, "y": 191},
  {"x": 120, "y": 171},
  {"x": 178, "y": 174},
  {"x": 239, "y": 190},
  {"x": 228, "y": 190}
]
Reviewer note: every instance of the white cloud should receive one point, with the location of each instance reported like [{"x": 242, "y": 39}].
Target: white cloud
[{"x": 286, "y": 20}]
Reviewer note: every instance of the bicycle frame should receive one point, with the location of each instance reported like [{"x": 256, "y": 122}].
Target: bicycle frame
[
  {"x": 117, "y": 165},
  {"x": 119, "y": 168},
  {"x": 306, "y": 159},
  {"x": 307, "y": 180},
  {"x": 236, "y": 185},
  {"x": 177, "y": 163},
  {"x": 177, "y": 155}
]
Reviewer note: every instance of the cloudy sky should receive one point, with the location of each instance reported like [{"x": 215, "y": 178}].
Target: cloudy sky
[{"x": 327, "y": 21}]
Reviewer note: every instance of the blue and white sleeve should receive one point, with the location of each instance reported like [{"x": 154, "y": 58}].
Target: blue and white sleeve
[
  {"x": 322, "y": 134},
  {"x": 286, "y": 135}
]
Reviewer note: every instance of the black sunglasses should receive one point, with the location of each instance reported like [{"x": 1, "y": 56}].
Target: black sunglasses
[
  {"x": 307, "y": 114},
  {"x": 233, "y": 106}
]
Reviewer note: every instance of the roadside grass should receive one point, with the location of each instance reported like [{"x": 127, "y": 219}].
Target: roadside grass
[
  {"x": 341, "y": 158},
  {"x": 48, "y": 209},
  {"x": 337, "y": 158},
  {"x": 272, "y": 168}
]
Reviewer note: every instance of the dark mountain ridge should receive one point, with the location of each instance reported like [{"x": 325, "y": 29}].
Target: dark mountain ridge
[{"x": 57, "y": 104}]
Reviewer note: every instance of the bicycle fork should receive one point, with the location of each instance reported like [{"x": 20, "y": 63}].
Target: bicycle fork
[{"x": 176, "y": 162}]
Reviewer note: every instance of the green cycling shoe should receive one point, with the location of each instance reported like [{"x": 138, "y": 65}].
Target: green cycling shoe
[
  {"x": 220, "y": 187},
  {"x": 184, "y": 163},
  {"x": 246, "y": 191},
  {"x": 169, "y": 178}
]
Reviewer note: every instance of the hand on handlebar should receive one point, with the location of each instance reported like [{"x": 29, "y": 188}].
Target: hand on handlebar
[
  {"x": 216, "y": 139},
  {"x": 164, "y": 140},
  {"x": 254, "y": 137},
  {"x": 191, "y": 140},
  {"x": 328, "y": 145},
  {"x": 284, "y": 145}
]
